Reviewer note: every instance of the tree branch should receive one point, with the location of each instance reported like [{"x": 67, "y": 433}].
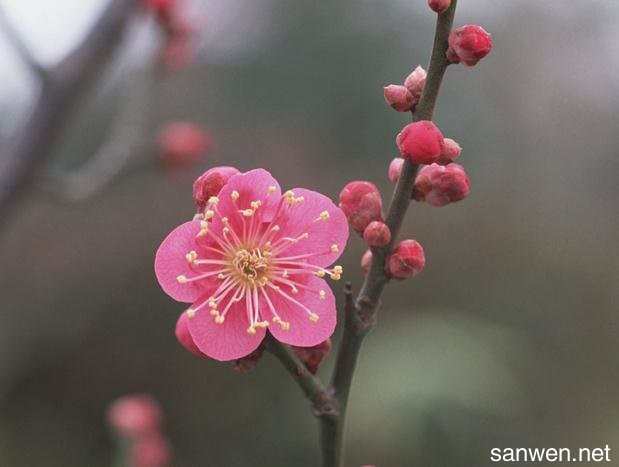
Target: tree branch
[
  {"x": 20, "y": 47},
  {"x": 66, "y": 83},
  {"x": 361, "y": 315},
  {"x": 323, "y": 403}
]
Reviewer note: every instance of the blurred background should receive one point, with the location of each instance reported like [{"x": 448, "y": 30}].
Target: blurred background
[{"x": 509, "y": 337}]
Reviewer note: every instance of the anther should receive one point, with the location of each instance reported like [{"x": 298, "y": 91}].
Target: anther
[
  {"x": 251, "y": 329},
  {"x": 313, "y": 317},
  {"x": 271, "y": 189},
  {"x": 213, "y": 200},
  {"x": 191, "y": 256},
  {"x": 209, "y": 214},
  {"x": 198, "y": 217},
  {"x": 219, "y": 319},
  {"x": 234, "y": 195},
  {"x": 181, "y": 279},
  {"x": 322, "y": 294},
  {"x": 247, "y": 212},
  {"x": 190, "y": 313},
  {"x": 324, "y": 215},
  {"x": 334, "y": 248}
]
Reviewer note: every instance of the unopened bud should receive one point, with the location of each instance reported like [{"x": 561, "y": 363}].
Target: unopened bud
[
  {"x": 134, "y": 415},
  {"x": 398, "y": 97},
  {"x": 377, "y": 234},
  {"x": 468, "y": 44},
  {"x": 440, "y": 185},
  {"x": 182, "y": 143},
  {"x": 420, "y": 142},
  {"x": 312, "y": 357},
  {"x": 439, "y": 5},
  {"x": 395, "y": 168},
  {"x": 210, "y": 184},
  {"x": 415, "y": 82},
  {"x": 361, "y": 203},
  {"x": 407, "y": 260},
  {"x": 184, "y": 337},
  {"x": 249, "y": 362},
  {"x": 150, "y": 451},
  {"x": 366, "y": 262},
  {"x": 451, "y": 151}
]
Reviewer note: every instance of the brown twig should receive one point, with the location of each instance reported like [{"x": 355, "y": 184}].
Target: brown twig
[
  {"x": 361, "y": 315},
  {"x": 65, "y": 83}
]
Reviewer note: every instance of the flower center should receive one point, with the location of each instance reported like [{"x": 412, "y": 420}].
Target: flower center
[{"x": 251, "y": 266}]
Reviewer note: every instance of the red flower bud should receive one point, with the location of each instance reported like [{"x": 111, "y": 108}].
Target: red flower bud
[
  {"x": 415, "y": 83},
  {"x": 451, "y": 151},
  {"x": 210, "y": 184},
  {"x": 469, "y": 44},
  {"x": 361, "y": 203},
  {"x": 182, "y": 143},
  {"x": 135, "y": 415},
  {"x": 420, "y": 142},
  {"x": 439, "y": 185},
  {"x": 398, "y": 97},
  {"x": 249, "y": 362},
  {"x": 439, "y": 5},
  {"x": 312, "y": 357},
  {"x": 184, "y": 337},
  {"x": 150, "y": 451},
  {"x": 395, "y": 168},
  {"x": 407, "y": 260},
  {"x": 366, "y": 262},
  {"x": 377, "y": 234}
]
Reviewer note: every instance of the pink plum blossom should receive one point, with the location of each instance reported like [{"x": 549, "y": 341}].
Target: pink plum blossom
[
  {"x": 256, "y": 262},
  {"x": 135, "y": 415}
]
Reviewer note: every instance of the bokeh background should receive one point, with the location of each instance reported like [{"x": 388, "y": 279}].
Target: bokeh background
[{"x": 508, "y": 338}]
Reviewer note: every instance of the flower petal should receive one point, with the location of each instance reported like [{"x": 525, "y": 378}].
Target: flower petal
[
  {"x": 302, "y": 332},
  {"x": 228, "y": 340},
  {"x": 323, "y": 234},
  {"x": 170, "y": 262},
  {"x": 255, "y": 185}
]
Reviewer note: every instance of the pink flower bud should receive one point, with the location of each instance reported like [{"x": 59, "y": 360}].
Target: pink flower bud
[
  {"x": 366, "y": 262},
  {"x": 184, "y": 337},
  {"x": 439, "y": 5},
  {"x": 134, "y": 415},
  {"x": 210, "y": 184},
  {"x": 469, "y": 44},
  {"x": 439, "y": 185},
  {"x": 150, "y": 451},
  {"x": 182, "y": 143},
  {"x": 398, "y": 97},
  {"x": 395, "y": 168},
  {"x": 407, "y": 260},
  {"x": 420, "y": 142},
  {"x": 312, "y": 357},
  {"x": 415, "y": 83},
  {"x": 249, "y": 362},
  {"x": 361, "y": 203},
  {"x": 377, "y": 234},
  {"x": 451, "y": 151}
]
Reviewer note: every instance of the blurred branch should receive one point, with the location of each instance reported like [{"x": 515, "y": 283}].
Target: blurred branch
[
  {"x": 125, "y": 139},
  {"x": 323, "y": 404},
  {"x": 60, "y": 92},
  {"x": 360, "y": 316},
  {"x": 20, "y": 46}
]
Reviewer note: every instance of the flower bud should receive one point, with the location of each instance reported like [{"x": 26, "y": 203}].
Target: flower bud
[
  {"x": 184, "y": 337},
  {"x": 420, "y": 142},
  {"x": 361, "y": 203},
  {"x": 249, "y": 362},
  {"x": 366, "y": 262},
  {"x": 415, "y": 83},
  {"x": 210, "y": 184},
  {"x": 440, "y": 185},
  {"x": 377, "y": 234},
  {"x": 398, "y": 97},
  {"x": 439, "y": 5},
  {"x": 395, "y": 168},
  {"x": 182, "y": 143},
  {"x": 468, "y": 44},
  {"x": 407, "y": 260},
  {"x": 134, "y": 415},
  {"x": 312, "y": 357},
  {"x": 150, "y": 451},
  {"x": 451, "y": 151}
]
